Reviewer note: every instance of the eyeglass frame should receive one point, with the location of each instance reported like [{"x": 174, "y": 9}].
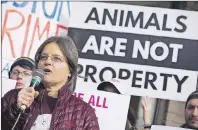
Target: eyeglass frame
[
  {"x": 51, "y": 57},
  {"x": 22, "y": 73}
]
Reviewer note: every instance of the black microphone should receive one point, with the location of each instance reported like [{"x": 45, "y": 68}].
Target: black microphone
[{"x": 37, "y": 77}]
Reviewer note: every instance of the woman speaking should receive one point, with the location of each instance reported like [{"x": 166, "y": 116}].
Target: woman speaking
[{"x": 55, "y": 108}]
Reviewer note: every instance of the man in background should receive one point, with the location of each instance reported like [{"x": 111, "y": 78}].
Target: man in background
[{"x": 191, "y": 111}]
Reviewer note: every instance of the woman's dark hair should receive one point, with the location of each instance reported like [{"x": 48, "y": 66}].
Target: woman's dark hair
[{"x": 69, "y": 50}]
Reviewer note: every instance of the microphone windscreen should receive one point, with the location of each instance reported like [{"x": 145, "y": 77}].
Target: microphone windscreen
[{"x": 38, "y": 73}]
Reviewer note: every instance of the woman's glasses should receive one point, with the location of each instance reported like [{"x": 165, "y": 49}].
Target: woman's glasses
[{"x": 54, "y": 58}]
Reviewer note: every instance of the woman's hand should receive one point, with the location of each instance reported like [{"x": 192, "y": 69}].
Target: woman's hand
[{"x": 25, "y": 97}]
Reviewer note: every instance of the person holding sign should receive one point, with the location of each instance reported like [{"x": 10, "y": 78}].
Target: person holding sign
[
  {"x": 21, "y": 71},
  {"x": 191, "y": 112},
  {"x": 112, "y": 86},
  {"x": 146, "y": 106},
  {"x": 55, "y": 107}
]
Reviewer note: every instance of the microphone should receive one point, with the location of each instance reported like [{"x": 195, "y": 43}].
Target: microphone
[{"x": 37, "y": 77}]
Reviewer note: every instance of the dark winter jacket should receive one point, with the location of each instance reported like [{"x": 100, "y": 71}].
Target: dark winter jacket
[{"x": 70, "y": 113}]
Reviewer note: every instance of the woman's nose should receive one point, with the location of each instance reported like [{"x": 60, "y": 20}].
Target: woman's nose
[{"x": 48, "y": 60}]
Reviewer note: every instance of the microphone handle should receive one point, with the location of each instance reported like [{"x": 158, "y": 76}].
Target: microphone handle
[
  {"x": 33, "y": 84},
  {"x": 23, "y": 107}
]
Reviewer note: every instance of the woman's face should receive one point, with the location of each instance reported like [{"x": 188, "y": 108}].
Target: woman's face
[{"x": 55, "y": 65}]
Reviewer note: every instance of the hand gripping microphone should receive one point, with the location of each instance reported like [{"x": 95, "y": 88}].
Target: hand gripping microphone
[{"x": 37, "y": 77}]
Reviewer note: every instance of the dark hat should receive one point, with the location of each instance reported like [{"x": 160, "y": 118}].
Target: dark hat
[
  {"x": 23, "y": 61},
  {"x": 117, "y": 84},
  {"x": 193, "y": 95}
]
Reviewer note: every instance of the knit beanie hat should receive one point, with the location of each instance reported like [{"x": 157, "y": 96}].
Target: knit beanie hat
[{"x": 23, "y": 61}]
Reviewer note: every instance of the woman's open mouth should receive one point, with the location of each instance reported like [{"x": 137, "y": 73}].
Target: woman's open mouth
[{"x": 47, "y": 71}]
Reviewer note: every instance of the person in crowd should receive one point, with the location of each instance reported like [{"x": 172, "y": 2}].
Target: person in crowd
[
  {"x": 112, "y": 86},
  {"x": 21, "y": 71},
  {"x": 190, "y": 113},
  {"x": 55, "y": 108},
  {"x": 146, "y": 104}
]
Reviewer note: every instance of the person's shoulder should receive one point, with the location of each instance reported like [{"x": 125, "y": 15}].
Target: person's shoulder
[
  {"x": 11, "y": 93},
  {"x": 183, "y": 126},
  {"x": 10, "y": 96}
]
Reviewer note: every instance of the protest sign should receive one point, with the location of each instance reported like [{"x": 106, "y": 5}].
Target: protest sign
[
  {"x": 158, "y": 127},
  {"x": 6, "y": 65},
  {"x": 25, "y": 25},
  {"x": 154, "y": 49},
  {"x": 111, "y": 109},
  {"x": 7, "y": 84}
]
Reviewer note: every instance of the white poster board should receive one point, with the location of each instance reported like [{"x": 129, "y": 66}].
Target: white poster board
[
  {"x": 7, "y": 85},
  {"x": 111, "y": 109},
  {"x": 6, "y": 65},
  {"x": 26, "y": 24},
  {"x": 159, "y": 127},
  {"x": 153, "y": 49}
]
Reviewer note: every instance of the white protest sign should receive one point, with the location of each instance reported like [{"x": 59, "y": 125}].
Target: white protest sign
[
  {"x": 111, "y": 109},
  {"x": 7, "y": 85},
  {"x": 6, "y": 65},
  {"x": 25, "y": 25},
  {"x": 134, "y": 19},
  {"x": 159, "y": 127},
  {"x": 146, "y": 46}
]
